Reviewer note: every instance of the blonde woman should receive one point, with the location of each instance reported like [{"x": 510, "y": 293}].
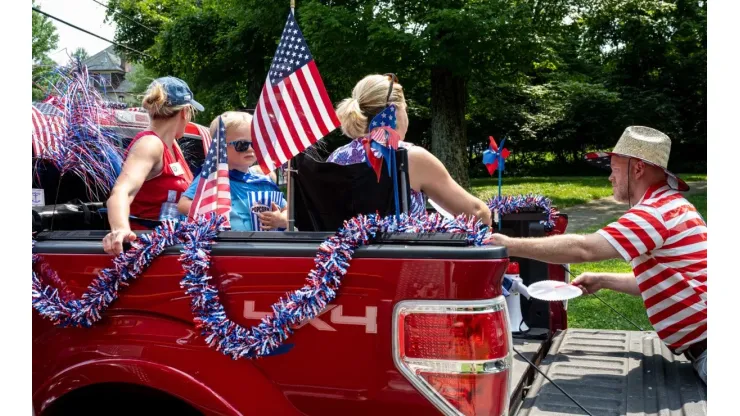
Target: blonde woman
[
  {"x": 155, "y": 172},
  {"x": 426, "y": 173}
]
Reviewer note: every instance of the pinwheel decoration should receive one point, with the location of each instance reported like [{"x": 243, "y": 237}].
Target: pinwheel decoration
[{"x": 494, "y": 158}]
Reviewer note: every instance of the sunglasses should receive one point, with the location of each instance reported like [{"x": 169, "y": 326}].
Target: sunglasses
[{"x": 240, "y": 145}]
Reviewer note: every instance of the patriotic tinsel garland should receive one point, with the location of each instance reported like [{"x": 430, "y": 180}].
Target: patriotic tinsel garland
[
  {"x": 51, "y": 299},
  {"x": 525, "y": 203},
  {"x": 60, "y": 306},
  {"x": 323, "y": 282}
]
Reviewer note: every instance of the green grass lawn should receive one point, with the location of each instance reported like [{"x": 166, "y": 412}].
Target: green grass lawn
[
  {"x": 589, "y": 312},
  {"x": 564, "y": 191}
]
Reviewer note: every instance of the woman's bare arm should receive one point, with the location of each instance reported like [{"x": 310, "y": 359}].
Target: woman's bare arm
[
  {"x": 428, "y": 174},
  {"x": 140, "y": 162}
]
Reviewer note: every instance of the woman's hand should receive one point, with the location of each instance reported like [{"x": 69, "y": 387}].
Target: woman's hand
[
  {"x": 272, "y": 220},
  {"x": 113, "y": 242}
]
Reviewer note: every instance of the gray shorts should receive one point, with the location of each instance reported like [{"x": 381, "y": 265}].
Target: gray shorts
[{"x": 700, "y": 365}]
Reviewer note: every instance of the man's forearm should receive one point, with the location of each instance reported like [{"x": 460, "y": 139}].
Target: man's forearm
[
  {"x": 558, "y": 249},
  {"x": 620, "y": 282}
]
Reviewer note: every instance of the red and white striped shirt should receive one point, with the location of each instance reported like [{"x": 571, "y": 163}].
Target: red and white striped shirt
[{"x": 665, "y": 240}]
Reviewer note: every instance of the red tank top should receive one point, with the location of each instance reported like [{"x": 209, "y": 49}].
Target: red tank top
[{"x": 167, "y": 186}]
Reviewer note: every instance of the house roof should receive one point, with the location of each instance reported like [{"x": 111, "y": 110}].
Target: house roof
[{"x": 105, "y": 60}]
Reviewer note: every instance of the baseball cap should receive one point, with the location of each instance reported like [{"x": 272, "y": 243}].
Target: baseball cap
[{"x": 178, "y": 92}]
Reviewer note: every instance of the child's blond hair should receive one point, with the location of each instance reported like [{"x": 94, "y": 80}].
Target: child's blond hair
[{"x": 232, "y": 120}]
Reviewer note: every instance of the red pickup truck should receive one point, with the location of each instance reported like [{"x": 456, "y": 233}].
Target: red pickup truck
[{"x": 420, "y": 327}]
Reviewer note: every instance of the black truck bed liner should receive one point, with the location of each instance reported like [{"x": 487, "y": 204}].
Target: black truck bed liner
[{"x": 614, "y": 373}]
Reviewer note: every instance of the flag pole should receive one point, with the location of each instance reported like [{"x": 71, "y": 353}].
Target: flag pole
[
  {"x": 291, "y": 193},
  {"x": 499, "y": 191},
  {"x": 289, "y": 170}
]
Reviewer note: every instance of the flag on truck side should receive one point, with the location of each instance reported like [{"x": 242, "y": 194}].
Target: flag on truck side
[
  {"x": 294, "y": 110},
  {"x": 47, "y": 127},
  {"x": 214, "y": 192}
]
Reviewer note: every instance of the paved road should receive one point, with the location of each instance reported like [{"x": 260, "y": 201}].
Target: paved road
[{"x": 599, "y": 211}]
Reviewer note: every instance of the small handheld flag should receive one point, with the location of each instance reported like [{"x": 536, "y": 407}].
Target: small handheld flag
[{"x": 214, "y": 192}]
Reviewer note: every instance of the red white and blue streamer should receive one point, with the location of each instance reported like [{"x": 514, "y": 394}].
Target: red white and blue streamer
[
  {"x": 503, "y": 205},
  {"x": 81, "y": 146},
  {"x": 59, "y": 305},
  {"x": 322, "y": 285}
]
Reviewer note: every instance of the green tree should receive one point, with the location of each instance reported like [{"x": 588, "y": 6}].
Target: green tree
[
  {"x": 140, "y": 76},
  {"x": 44, "y": 39},
  {"x": 80, "y": 54},
  {"x": 654, "y": 55},
  {"x": 556, "y": 77},
  {"x": 44, "y": 35}
]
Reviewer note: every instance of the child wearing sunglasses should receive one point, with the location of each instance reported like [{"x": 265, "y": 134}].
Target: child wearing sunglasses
[{"x": 256, "y": 201}]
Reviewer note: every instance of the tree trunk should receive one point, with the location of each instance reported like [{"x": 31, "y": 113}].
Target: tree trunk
[{"x": 449, "y": 139}]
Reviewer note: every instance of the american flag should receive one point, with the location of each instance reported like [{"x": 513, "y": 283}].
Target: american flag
[
  {"x": 205, "y": 135},
  {"x": 294, "y": 109},
  {"x": 214, "y": 193},
  {"x": 48, "y": 126}
]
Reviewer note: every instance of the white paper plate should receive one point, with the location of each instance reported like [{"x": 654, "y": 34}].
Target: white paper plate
[
  {"x": 440, "y": 210},
  {"x": 552, "y": 290}
]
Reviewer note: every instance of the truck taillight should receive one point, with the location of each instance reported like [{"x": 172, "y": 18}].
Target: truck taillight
[{"x": 456, "y": 353}]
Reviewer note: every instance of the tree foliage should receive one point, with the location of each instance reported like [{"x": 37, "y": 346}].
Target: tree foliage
[
  {"x": 555, "y": 77},
  {"x": 44, "y": 39},
  {"x": 80, "y": 54}
]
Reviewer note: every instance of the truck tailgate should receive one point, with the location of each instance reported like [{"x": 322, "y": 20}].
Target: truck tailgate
[{"x": 614, "y": 373}]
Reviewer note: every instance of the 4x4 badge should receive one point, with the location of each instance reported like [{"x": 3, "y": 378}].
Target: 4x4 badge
[{"x": 369, "y": 321}]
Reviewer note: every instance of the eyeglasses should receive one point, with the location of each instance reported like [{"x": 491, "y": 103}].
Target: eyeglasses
[
  {"x": 393, "y": 79},
  {"x": 240, "y": 145}
]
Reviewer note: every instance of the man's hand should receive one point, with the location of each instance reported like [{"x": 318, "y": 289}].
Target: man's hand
[
  {"x": 272, "y": 220},
  {"x": 498, "y": 240},
  {"x": 589, "y": 283}
]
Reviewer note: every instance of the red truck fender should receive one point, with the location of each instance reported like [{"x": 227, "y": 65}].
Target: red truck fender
[{"x": 163, "y": 354}]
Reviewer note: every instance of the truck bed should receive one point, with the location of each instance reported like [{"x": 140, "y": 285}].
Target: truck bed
[{"x": 614, "y": 373}]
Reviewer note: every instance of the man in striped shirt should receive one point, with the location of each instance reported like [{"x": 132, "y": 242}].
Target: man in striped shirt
[{"x": 662, "y": 236}]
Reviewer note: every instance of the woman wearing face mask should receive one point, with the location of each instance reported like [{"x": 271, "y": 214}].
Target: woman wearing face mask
[
  {"x": 249, "y": 187},
  {"x": 155, "y": 172},
  {"x": 426, "y": 173}
]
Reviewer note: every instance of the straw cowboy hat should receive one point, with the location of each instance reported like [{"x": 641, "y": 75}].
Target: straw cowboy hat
[{"x": 647, "y": 144}]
